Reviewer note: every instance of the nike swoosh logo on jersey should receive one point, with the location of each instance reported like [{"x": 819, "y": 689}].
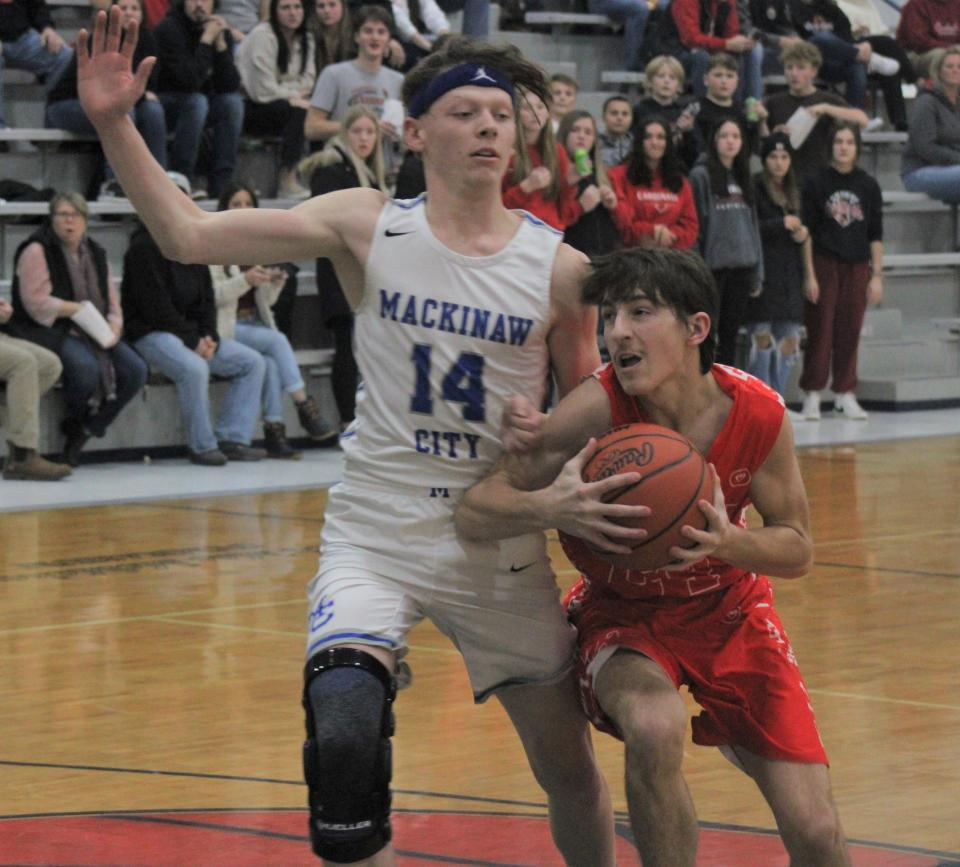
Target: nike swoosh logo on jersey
[
  {"x": 521, "y": 568},
  {"x": 391, "y": 234}
]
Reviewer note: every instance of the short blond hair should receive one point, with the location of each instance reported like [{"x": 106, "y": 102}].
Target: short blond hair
[
  {"x": 660, "y": 62},
  {"x": 802, "y": 52},
  {"x": 74, "y": 200},
  {"x": 936, "y": 67}
]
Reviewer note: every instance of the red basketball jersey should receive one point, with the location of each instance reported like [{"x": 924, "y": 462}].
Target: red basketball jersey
[{"x": 739, "y": 450}]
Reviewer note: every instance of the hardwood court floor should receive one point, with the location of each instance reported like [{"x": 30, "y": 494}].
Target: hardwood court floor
[{"x": 150, "y": 661}]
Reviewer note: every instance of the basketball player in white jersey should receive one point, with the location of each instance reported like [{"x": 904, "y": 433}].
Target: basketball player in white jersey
[{"x": 460, "y": 303}]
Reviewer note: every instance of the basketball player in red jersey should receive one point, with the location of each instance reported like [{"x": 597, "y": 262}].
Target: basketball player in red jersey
[
  {"x": 459, "y": 304},
  {"x": 708, "y": 620}
]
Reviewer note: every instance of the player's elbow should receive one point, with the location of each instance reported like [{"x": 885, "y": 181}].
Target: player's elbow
[{"x": 801, "y": 559}]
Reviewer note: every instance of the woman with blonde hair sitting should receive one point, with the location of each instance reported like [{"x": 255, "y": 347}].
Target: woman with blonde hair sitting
[{"x": 352, "y": 158}]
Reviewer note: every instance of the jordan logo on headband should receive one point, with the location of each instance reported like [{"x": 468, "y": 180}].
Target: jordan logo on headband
[{"x": 481, "y": 75}]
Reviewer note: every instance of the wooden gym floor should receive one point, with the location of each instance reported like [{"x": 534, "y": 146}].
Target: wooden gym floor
[{"x": 150, "y": 658}]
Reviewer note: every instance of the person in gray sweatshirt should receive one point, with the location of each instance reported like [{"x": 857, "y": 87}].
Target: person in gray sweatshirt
[
  {"x": 931, "y": 160},
  {"x": 729, "y": 232}
]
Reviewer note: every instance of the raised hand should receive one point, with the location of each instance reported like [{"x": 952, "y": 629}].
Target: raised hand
[
  {"x": 107, "y": 85},
  {"x": 521, "y": 425}
]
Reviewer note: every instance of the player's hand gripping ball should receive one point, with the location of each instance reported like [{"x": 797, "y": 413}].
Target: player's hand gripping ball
[{"x": 675, "y": 479}]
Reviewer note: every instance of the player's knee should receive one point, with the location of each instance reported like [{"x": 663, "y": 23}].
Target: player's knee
[
  {"x": 347, "y": 763},
  {"x": 653, "y": 727},
  {"x": 814, "y": 836}
]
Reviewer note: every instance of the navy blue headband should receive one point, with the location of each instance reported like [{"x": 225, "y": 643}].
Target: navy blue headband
[{"x": 460, "y": 76}]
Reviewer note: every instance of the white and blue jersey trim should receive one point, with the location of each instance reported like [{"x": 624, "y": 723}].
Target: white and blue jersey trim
[{"x": 536, "y": 221}]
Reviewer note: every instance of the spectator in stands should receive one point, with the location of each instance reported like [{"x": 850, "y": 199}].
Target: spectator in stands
[
  {"x": 729, "y": 234},
  {"x": 58, "y": 271},
  {"x": 28, "y": 371},
  {"x": 616, "y": 140},
  {"x": 770, "y": 23},
  {"x": 849, "y": 58},
  {"x": 353, "y": 158},
  {"x": 655, "y": 206},
  {"x": 363, "y": 80},
  {"x": 594, "y": 233},
  {"x": 64, "y": 111},
  {"x": 926, "y": 27},
  {"x": 199, "y": 87},
  {"x": 244, "y": 297},
  {"x": 632, "y": 14},
  {"x": 538, "y": 179},
  {"x": 842, "y": 206},
  {"x": 775, "y": 315},
  {"x": 242, "y": 16},
  {"x": 695, "y": 29},
  {"x": 801, "y": 61},
  {"x": 931, "y": 161},
  {"x": 278, "y": 69},
  {"x": 720, "y": 103},
  {"x": 172, "y": 321},
  {"x": 332, "y": 27},
  {"x": 419, "y": 24},
  {"x": 563, "y": 93},
  {"x": 663, "y": 83},
  {"x": 28, "y": 40}
]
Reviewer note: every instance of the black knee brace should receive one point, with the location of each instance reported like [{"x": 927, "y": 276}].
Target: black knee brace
[{"x": 348, "y": 695}]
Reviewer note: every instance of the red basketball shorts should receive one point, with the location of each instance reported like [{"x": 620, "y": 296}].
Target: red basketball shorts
[{"x": 729, "y": 648}]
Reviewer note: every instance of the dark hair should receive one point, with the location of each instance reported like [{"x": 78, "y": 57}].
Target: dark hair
[
  {"x": 617, "y": 97},
  {"x": 724, "y": 61},
  {"x": 563, "y": 133},
  {"x": 301, "y": 33},
  {"x": 789, "y": 197},
  {"x": 371, "y": 12},
  {"x": 231, "y": 189},
  {"x": 560, "y": 78},
  {"x": 841, "y": 125},
  {"x": 741, "y": 164},
  {"x": 671, "y": 166},
  {"x": 678, "y": 279},
  {"x": 335, "y": 44},
  {"x": 506, "y": 59}
]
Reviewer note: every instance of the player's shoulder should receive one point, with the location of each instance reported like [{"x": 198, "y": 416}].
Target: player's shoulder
[
  {"x": 742, "y": 385},
  {"x": 570, "y": 271}
]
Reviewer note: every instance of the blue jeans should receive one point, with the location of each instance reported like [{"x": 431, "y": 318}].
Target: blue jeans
[
  {"x": 476, "y": 18},
  {"x": 939, "y": 182},
  {"x": 147, "y": 116},
  {"x": 81, "y": 380},
  {"x": 282, "y": 373},
  {"x": 188, "y": 114},
  {"x": 772, "y": 365},
  {"x": 840, "y": 64},
  {"x": 750, "y": 72},
  {"x": 240, "y": 409},
  {"x": 27, "y": 52},
  {"x": 633, "y": 15}
]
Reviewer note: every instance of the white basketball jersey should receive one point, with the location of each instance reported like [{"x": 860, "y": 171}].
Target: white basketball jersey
[{"x": 442, "y": 340}]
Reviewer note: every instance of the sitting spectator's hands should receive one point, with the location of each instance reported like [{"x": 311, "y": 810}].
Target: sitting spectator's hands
[
  {"x": 51, "y": 40},
  {"x": 590, "y": 198},
  {"x": 739, "y": 44},
  {"x": 6, "y": 311},
  {"x": 864, "y": 52},
  {"x": 213, "y": 28},
  {"x": 237, "y": 35},
  {"x": 538, "y": 179},
  {"x": 791, "y": 222},
  {"x": 278, "y": 276},
  {"x": 663, "y": 237},
  {"x": 206, "y": 347},
  {"x": 256, "y": 274},
  {"x": 396, "y": 56},
  {"x": 608, "y": 197}
]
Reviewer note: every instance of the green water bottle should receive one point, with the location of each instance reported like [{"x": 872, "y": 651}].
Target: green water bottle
[
  {"x": 750, "y": 109},
  {"x": 581, "y": 159}
]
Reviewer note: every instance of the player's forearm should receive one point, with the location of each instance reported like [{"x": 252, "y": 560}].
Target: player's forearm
[
  {"x": 776, "y": 550},
  {"x": 164, "y": 209},
  {"x": 493, "y": 509}
]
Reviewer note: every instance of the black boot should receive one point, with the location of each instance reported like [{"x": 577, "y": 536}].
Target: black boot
[
  {"x": 275, "y": 440},
  {"x": 309, "y": 414},
  {"x": 75, "y": 438}
]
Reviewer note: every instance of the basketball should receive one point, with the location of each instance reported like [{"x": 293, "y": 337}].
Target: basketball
[{"x": 675, "y": 479}]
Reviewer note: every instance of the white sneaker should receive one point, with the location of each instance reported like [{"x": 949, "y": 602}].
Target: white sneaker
[
  {"x": 811, "y": 406},
  {"x": 882, "y": 65},
  {"x": 846, "y": 405},
  {"x": 874, "y": 124}
]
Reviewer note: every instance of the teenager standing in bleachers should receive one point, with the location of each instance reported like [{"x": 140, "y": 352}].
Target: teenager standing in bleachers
[
  {"x": 64, "y": 111},
  {"x": 59, "y": 269},
  {"x": 199, "y": 87},
  {"x": 663, "y": 82},
  {"x": 278, "y": 68},
  {"x": 842, "y": 206}
]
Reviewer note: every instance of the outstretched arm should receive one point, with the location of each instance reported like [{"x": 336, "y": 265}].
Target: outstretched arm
[{"x": 109, "y": 88}]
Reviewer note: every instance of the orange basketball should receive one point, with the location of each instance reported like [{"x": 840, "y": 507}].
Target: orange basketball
[{"x": 675, "y": 479}]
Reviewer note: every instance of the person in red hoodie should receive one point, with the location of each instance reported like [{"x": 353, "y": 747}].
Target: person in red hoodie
[
  {"x": 655, "y": 206},
  {"x": 928, "y": 26},
  {"x": 538, "y": 180}
]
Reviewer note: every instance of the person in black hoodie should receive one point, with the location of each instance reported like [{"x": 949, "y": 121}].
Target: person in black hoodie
[
  {"x": 352, "y": 158},
  {"x": 64, "y": 111},
  {"x": 171, "y": 318},
  {"x": 842, "y": 208},
  {"x": 199, "y": 86}
]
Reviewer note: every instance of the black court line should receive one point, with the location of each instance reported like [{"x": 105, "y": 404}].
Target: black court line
[
  {"x": 857, "y": 567},
  {"x": 163, "y": 504}
]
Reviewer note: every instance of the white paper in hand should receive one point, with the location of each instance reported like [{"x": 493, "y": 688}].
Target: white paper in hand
[
  {"x": 800, "y": 124},
  {"x": 90, "y": 320},
  {"x": 393, "y": 113}
]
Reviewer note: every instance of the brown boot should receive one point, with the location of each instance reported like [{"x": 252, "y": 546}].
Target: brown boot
[
  {"x": 27, "y": 465},
  {"x": 276, "y": 442},
  {"x": 309, "y": 414}
]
